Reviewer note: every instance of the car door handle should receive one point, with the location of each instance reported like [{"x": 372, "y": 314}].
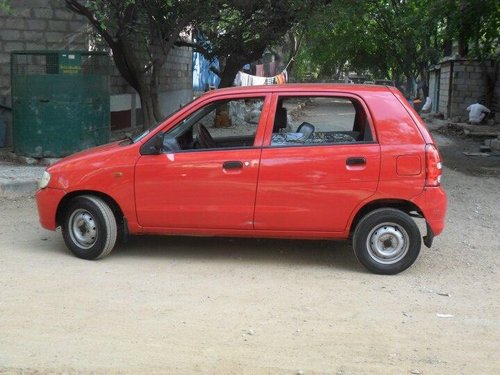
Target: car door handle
[
  {"x": 232, "y": 165},
  {"x": 356, "y": 161}
]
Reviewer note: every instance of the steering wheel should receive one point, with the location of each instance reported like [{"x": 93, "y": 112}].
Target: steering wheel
[{"x": 203, "y": 137}]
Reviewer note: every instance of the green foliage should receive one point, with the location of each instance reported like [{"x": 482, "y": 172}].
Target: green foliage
[
  {"x": 396, "y": 39},
  {"x": 474, "y": 24},
  {"x": 5, "y": 6},
  {"x": 238, "y": 32},
  {"x": 140, "y": 34}
]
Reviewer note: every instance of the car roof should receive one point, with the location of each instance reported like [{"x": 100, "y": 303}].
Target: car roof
[{"x": 298, "y": 87}]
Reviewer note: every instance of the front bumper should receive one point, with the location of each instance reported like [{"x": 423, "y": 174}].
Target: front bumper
[{"x": 47, "y": 201}]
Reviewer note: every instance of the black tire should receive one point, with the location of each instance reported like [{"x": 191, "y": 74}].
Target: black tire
[
  {"x": 387, "y": 241},
  {"x": 89, "y": 228}
]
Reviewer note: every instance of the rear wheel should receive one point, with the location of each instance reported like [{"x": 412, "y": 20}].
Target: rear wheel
[
  {"x": 89, "y": 228},
  {"x": 387, "y": 241}
]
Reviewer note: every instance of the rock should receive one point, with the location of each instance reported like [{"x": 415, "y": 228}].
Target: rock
[
  {"x": 27, "y": 160},
  {"x": 253, "y": 116},
  {"x": 444, "y": 315},
  {"x": 443, "y": 294},
  {"x": 49, "y": 161}
]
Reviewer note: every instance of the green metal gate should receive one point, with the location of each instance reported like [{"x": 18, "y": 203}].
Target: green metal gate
[{"x": 60, "y": 102}]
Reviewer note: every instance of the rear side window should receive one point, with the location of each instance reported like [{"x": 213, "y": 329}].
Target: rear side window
[{"x": 319, "y": 121}]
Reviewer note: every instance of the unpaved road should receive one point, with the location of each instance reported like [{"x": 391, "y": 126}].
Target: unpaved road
[{"x": 235, "y": 306}]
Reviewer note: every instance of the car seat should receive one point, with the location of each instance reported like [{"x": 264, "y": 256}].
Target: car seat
[{"x": 306, "y": 129}]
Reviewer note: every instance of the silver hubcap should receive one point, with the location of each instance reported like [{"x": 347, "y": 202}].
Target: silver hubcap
[
  {"x": 387, "y": 243},
  {"x": 82, "y": 229}
]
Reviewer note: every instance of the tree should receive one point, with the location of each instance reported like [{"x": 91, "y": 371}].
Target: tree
[
  {"x": 140, "y": 34},
  {"x": 240, "y": 31},
  {"x": 475, "y": 25},
  {"x": 389, "y": 39},
  {"x": 399, "y": 39},
  {"x": 4, "y": 6}
]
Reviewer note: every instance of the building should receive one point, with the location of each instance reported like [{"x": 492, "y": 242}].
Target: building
[
  {"x": 49, "y": 25},
  {"x": 455, "y": 83}
]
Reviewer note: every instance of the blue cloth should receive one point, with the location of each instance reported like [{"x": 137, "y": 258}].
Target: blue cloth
[{"x": 203, "y": 77}]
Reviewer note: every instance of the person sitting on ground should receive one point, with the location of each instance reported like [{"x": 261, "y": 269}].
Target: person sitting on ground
[
  {"x": 427, "y": 105},
  {"x": 477, "y": 113}
]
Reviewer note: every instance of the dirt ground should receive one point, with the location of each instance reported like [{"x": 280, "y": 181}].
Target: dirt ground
[{"x": 239, "y": 306}]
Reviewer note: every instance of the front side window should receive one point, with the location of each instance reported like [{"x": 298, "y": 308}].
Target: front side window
[
  {"x": 319, "y": 121},
  {"x": 218, "y": 125}
]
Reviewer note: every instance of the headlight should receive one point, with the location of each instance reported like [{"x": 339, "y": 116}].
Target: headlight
[{"x": 44, "y": 181}]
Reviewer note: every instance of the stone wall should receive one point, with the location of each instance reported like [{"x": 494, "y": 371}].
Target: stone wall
[
  {"x": 176, "y": 90},
  {"x": 444, "y": 84},
  {"x": 468, "y": 86},
  {"x": 177, "y": 81},
  {"x": 48, "y": 25},
  {"x": 461, "y": 83},
  {"x": 434, "y": 82},
  {"x": 37, "y": 25}
]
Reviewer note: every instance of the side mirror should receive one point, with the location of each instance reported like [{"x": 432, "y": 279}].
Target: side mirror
[{"x": 154, "y": 146}]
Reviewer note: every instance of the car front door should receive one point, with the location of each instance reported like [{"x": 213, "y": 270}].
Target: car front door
[
  {"x": 314, "y": 184},
  {"x": 205, "y": 186}
]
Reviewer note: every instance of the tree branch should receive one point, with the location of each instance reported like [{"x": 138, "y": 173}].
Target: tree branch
[{"x": 78, "y": 8}]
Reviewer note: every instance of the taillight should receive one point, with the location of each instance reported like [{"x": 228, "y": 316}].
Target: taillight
[{"x": 433, "y": 166}]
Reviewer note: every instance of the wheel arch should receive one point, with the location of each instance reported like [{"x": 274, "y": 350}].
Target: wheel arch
[
  {"x": 115, "y": 207},
  {"x": 400, "y": 204}
]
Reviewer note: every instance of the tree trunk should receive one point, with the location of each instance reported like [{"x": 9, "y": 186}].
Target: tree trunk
[
  {"x": 425, "y": 82},
  {"x": 148, "y": 116},
  {"x": 229, "y": 73},
  {"x": 146, "y": 85},
  {"x": 150, "y": 104},
  {"x": 296, "y": 41},
  {"x": 154, "y": 89}
]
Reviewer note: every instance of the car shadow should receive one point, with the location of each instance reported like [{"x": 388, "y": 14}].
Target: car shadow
[{"x": 337, "y": 254}]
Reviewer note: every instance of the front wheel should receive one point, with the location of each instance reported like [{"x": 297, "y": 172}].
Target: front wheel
[
  {"x": 387, "y": 241},
  {"x": 89, "y": 228}
]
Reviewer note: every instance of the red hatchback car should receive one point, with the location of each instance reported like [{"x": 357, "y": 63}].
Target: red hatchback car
[{"x": 288, "y": 161}]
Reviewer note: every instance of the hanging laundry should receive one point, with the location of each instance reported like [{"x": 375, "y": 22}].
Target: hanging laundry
[
  {"x": 244, "y": 79},
  {"x": 259, "y": 70},
  {"x": 282, "y": 78}
]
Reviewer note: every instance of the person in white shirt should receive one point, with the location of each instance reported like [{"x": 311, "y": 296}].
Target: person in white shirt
[
  {"x": 427, "y": 106},
  {"x": 477, "y": 112}
]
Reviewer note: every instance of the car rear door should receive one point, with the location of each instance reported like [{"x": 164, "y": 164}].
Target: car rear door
[{"x": 316, "y": 185}]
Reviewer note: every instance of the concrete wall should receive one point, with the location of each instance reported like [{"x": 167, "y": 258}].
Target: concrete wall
[
  {"x": 469, "y": 85},
  {"x": 48, "y": 25},
  {"x": 176, "y": 90},
  {"x": 434, "y": 89},
  {"x": 37, "y": 25},
  {"x": 444, "y": 84},
  {"x": 463, "y": 82}
]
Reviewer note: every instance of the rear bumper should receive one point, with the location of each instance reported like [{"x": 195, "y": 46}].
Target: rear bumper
[
  {"x": 433, "y": 203},
  {"x": 47, "y": 201}
]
